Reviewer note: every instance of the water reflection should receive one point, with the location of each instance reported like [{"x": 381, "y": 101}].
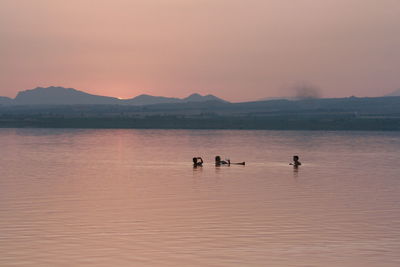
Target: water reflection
[
  {"x": 129, "y": 197},
  {"x": 295, "y": 171}
]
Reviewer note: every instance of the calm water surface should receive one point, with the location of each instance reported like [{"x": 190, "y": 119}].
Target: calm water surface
[{"x": 132, "y": 198}]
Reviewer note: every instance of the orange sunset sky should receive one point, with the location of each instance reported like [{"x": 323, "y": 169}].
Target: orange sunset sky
[{"x": 237, "y": 50}]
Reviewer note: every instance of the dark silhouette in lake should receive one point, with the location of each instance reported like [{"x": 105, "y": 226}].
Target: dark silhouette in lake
[
  {"x": 296, "y": 163},
  {"x": 219, "y": 162},
  {"x": 197, "y": 162}
]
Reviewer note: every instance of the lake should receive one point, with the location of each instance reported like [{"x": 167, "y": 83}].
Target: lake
[{"x": 132, "y": 198}]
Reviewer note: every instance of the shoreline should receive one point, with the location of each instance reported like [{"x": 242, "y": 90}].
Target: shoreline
[{"x": 220, "y": 123}]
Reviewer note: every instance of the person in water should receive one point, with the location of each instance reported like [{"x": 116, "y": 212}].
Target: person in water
[
  {"x": 296, "y": 162},
  {"x": 197, "y": 162},
  {"x": 219, "y": 162}
]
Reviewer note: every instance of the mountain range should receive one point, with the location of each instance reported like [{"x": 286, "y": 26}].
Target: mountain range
[
  {"x": 69, "y": 96},
  {"x": 394, "y": 93}
]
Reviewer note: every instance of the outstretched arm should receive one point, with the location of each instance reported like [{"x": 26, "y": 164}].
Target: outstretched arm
[{"x": 201, "y": 160}]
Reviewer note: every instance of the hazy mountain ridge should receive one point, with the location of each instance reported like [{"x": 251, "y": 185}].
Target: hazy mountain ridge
[
  {"x": 144, "y": 99},
  {"x": 69, "y": 96},
  {"x": 5, "y": 100},
  {"x": 394, "y": 93},
  {"x": 199, "y": 98},
  {"x": 60, "y": 96}
]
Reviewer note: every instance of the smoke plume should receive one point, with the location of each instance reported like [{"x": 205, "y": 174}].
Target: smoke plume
[{"x": 306, "y": 91}]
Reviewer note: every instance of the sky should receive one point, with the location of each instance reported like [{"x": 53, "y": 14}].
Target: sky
[{"x": 238, "y": 50}]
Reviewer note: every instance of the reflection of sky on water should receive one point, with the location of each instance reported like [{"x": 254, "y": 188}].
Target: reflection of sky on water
[{"x": 101, "y": 194}]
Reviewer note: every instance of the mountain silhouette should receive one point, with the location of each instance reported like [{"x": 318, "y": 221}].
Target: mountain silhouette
[
  {"x": 394, "y": 93},
  {"x": 5, "y": 100},
  {"x": 199, "y": 98},
  {"x": 68, "y": 96},
  {"x": 142, "y": 100},
  {"x": 61, "y": 96}
]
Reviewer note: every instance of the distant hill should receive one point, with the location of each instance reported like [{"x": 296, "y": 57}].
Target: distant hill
[
  {"x": 394, "y": 93},
  {"x": 200, "y": 98},
  {"x": 142, "y": 100},
  {"x": 5, "y": 100},
  {"x": 61, "y": 96},
  {"x": 276, "y": 98},
  {"x": 69, "y": 96}
]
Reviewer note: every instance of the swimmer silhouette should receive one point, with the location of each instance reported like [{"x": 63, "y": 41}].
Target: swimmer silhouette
[
  {"x": 296, "y": 163},
  {"x": 197, "y": 162},
  {"x": 219, "y": 162}
]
